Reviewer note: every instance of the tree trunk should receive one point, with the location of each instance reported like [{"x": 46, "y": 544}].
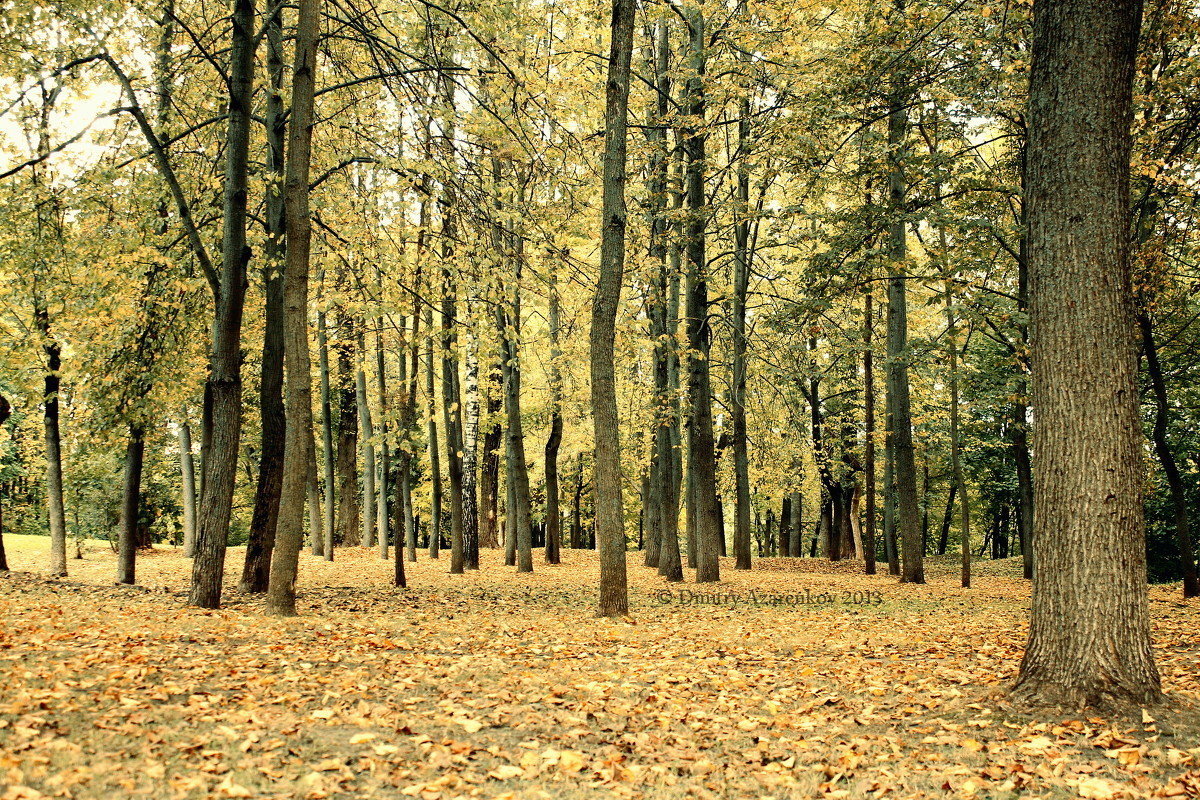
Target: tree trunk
[
  {"x": 326, "y": 420},
  {"x": 349, "y": 513},
  {"x": 366, "y": 436},
  {"x": 489, "y": 533},
  {"x": 576, "y": 520},
  {"x": 435, "y": 458},
  {"x": 281, "y": 593},
  {"x": 131, "y": 496},
  {"x": 385, "y": 456},
  {"x": 553, "y": 519},
  {"x": 256, "y": 569},
  {"x": 316, "y": 526},
  {"x": 188, "y": 472},
  {"x": 470, "y": 512},
  {"x": 700, "y": 430},
  {"x": 610, "y": 517},
  {"x": 904, "y": 464},
  {"x": 869, "y": 447},
  {"x": 960, "y": 482},
  {"x": 223, "y": 390},
  {"x": 1089, "y": 635},
  {"x": 518, "y": 470}
]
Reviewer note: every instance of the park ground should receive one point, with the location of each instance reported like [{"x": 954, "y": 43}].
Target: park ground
[{"x": 797, "y": 679}]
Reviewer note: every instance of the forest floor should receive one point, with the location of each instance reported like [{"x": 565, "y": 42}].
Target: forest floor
[{"x": 797, "y": 679}]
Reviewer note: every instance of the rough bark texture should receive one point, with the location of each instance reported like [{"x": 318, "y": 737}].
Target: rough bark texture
[
  {"x": 610, "y": 517},
  {"x": 1089, "y": 635},
  {"x": 281, "y": 591},
  {"x": 223, "y": 392}
]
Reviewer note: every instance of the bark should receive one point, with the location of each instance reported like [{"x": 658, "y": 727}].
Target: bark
[
  {"x": 366, "y": 436},
  {"x": 960, "y": 482},
  {"x": 489, "y": 523},
  {"x": 904, "y": 463},
  {"x": 385, "y": 456},
  {"x": 451, "y": 401},
  {"x": 741, "y": 287},
  {"x": 610, "y": 517},
  {"x": 785, "y": 528},
  {"x": 221, "y": 437},
  {"x": 1089, "y": 635},
  {"x": 349, "y": 512},
  {"x": 1020, "y": 438},
  {"x": 188, "y": 472},
  {"x": 518, "y": 470},
  {"x": 435, "y": 457},
  {"x": 869, "y": 447},
  {"x": 326, "y": 420},
  {"x": 553, "y": 517},
  {"x": 470, "y": 493},
  {"x": 256, "y": 569},
  {"x": 889, "y": 495},
  {"x": 131, "y": 496},
  {"x": 281, "y": 593},
  {"x": 701, "y": 446},
  {"x": 316, "y": 527},
  {"x": 576, "y": 522}
]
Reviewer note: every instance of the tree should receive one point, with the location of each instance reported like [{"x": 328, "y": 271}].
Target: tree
[
  {"x": 610, "y": 518},
  {"x": 281, "y": 592},
  {"x": 1089, "y": 636}
]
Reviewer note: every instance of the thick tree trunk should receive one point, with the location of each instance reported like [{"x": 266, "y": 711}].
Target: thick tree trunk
[
  {"x": 281, "y": 593},
  {"x": 1089, "y": 635},
  {"x": 610, "y": 516},
  {"x": 131, "y": 496},
  {"x": 223, "y": 392}
]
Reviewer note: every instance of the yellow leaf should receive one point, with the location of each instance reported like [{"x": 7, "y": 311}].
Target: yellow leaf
[
  {"x": 470, "y": 725},
  {"x": 505, "y": 771}
]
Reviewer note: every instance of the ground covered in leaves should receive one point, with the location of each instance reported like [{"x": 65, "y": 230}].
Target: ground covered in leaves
[{"x": 798, "y": 679}]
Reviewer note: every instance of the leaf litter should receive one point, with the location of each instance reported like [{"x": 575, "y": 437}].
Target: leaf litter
[{"x": 495, "y": 685}]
